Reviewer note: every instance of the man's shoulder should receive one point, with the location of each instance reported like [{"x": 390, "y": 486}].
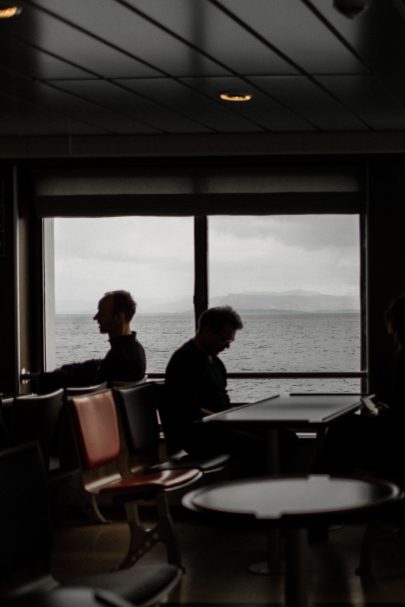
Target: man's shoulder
[{"x": 185, "y": 355}]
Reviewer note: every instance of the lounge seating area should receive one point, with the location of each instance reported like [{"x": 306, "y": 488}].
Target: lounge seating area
[{"x": 144, "y": 546}]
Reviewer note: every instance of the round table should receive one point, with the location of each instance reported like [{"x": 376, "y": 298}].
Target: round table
[{"x": 293, "y": 504}]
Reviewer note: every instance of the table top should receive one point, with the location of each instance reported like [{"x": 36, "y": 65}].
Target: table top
[
  {"x": 296, "y": 409},
  {"x": 292, "y": 500}
]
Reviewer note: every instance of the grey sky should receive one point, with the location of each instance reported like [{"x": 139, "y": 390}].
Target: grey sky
[{"x": 153, "y": 257}]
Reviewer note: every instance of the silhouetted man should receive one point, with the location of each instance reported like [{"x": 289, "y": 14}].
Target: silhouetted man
[
  {"x": 125, "y": 361},
  {"x": 196, "y": 386}
]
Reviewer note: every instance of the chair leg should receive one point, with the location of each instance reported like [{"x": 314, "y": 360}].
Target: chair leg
[
  {"x": 167, "y": 533},
  {"x": 95, "y": 513},
  {"x": 141, "y": 539}
]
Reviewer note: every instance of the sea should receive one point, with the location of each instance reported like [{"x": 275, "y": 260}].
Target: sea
[{"x": 269, "y": 341}]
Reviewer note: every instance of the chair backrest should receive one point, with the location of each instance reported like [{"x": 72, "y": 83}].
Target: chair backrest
[
  {"x": 169, "y": 424},
  {"x": 96, "y": 428},
  {"x": 138, "y": 410},
  {"x": 25, "y": 528},
  {"x": 79, "y": 390},
  {"x": 35, "y": 417},
  {"x": 128, "y": 384}
]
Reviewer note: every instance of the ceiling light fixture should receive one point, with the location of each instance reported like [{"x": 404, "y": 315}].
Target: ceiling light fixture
[
  {"x": 8, "y": 11},
  {"x": 238, "y": 97}
]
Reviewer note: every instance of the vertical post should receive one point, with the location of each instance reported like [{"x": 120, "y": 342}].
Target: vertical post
[
  {"x": 364, "y": 286},
  {"x": 296, "y": 567},
  {"x": 200, "y": 265}
]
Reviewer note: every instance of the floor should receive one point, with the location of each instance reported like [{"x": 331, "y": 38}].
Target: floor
[{"x": 217, "y": 562}]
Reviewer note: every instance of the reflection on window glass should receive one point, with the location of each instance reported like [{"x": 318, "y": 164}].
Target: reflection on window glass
[
  {"x": 295, "y": 282},
  {"x": 152, "y": 257}
]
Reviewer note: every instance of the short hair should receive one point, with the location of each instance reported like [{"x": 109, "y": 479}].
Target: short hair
[
  {"x": 218, "y": 317},
  {"x": 395, "y": 318},
  {"x": 122, "y": 302}
]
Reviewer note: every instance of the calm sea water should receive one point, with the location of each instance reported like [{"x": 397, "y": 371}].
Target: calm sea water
[{"x": 268, "y": 342}]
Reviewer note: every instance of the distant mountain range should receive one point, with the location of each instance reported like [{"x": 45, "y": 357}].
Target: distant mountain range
[
  {"x": 272, "y": 302},
  {"x": 290, "y": 301}
]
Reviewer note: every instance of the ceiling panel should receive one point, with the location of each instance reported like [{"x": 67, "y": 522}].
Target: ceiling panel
[
  {"x": 122, "y": 101},
  {"x": 368, "y": 99},
  {"x": 263, "y": 110},
  {"x": 21, "y": 117},
  {"x": 55, "y": 101},
  {"x": 125, "y": 29},
  {"x": 33, "y": 63},
  {"x": 188, "y": 101},
  {"x": 312, "y": 102},
  {"x": 292, "y": 27},
  {"x": 51, "y": 34},
  {"x": 208, "y": 28}
]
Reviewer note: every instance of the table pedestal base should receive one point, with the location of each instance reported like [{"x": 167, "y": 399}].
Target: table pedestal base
[
  {"x": 274, "y": 563},
  {"x": 296, "y": 569}
]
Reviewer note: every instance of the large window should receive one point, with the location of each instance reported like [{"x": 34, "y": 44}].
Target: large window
[
  {"x": 295, "y": 280},
  {"x": 152, "y": 257}
]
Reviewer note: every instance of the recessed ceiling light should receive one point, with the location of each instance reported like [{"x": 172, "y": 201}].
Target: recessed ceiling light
[
  {"x": 238, "y": 97},
  {"x": 7, "y": 11}
]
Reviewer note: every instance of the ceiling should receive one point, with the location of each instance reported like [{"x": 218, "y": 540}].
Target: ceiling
[{"x": 124, "y": 67}]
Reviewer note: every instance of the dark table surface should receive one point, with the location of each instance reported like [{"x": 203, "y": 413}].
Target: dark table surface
[{"x": 291, "y": 410}]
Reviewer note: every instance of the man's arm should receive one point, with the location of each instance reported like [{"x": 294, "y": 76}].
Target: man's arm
[{"x": 74, "y": 374}]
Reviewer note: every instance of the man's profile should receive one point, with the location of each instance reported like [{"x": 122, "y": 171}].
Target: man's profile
[
  {"x": 125, "y": 361},
  {"x": 196, "y": 386}
]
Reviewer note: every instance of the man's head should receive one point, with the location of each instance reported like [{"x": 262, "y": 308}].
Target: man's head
[
  {"x": 115, "y": 312},
  {"x": 217, "y": 328},
  {"x": 395, "y": 320}
]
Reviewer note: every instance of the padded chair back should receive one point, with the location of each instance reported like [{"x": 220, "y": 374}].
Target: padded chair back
[
  {"x": 137, "y": 407},
  {"x": 166, "y": 418},
  {"x": 25, "y": 529},
  {"x": 128, "y": 384},
  {"x": 35, "y": 417},
  {"x": 79, "y": 390},
  {"x": 96, "y": 429}
]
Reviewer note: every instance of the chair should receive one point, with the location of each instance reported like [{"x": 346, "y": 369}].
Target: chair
[
  {"x": 67, "y": 597},
  {"x": 177, "y": 455},
  {"x": 26, "y": 539},
  {"x": 78, "y": 390},
  {"x": 128, "y": 384},
  {"x": 139, "y": 412},
  {"x": 96, "y": 429},
  {"x": 35, "y": 417}
]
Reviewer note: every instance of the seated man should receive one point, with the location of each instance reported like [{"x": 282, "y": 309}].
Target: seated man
[
  {"x": 196, "y": 386},
  {"x": 366, "y": 443},
  {"x": 125, "y": 361}
]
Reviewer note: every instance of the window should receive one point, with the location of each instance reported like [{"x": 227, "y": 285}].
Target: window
[
  {"x": 152, "y": 257},
  {"x": 295, "y": 280}
]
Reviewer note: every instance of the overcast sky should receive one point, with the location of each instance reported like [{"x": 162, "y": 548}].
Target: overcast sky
[{"x": 153, "y": 257}]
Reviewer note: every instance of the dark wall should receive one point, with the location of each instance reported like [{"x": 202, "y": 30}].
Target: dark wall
[
  {"x": 386, "y": 263},
  {"x": 20, "y": 281},
  {"x": 8, "y": 313}
]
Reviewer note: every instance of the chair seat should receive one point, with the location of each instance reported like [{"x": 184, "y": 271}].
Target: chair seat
[
  {"x": 142, "y": 585},
  {"x": 156, "y": 481}
]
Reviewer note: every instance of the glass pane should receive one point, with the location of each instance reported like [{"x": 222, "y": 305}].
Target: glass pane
[
  {"x": 295, "y": 282},
  {"x": 152, "y": 257}
]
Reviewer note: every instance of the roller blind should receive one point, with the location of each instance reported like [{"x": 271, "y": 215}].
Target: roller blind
[{"x": 206, "y": 190}]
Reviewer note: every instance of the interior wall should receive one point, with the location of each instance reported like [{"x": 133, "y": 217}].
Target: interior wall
[
  {"x": 386, "y": 264},
  {"x": 8, "y": 298}
]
